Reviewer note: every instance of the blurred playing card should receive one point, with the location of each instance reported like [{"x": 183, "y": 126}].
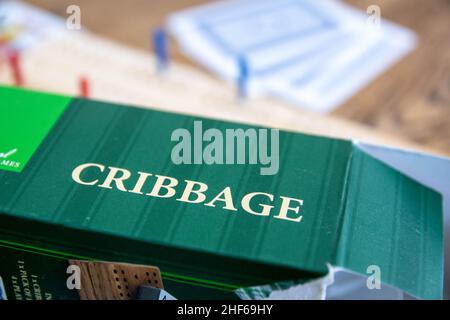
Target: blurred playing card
[
  {"x": 344, "y": 72},
  {"x": 22, "y": 25},
  {"x": 270, "y": 34},
  {"x": 312, "y": 53}
]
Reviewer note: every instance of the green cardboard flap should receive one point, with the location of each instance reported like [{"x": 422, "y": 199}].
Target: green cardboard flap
[
  {"x": 356, "y": 211},
  {"x": 394, "y": 223}
]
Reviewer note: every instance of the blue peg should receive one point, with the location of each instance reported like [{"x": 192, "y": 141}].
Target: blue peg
[
  {"x": 160, "y": 47},
  {"x": 242, "y": 79}
]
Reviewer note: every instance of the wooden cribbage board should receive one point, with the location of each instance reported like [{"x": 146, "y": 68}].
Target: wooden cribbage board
[
  {"x": 125, "y": 75},
  {"x": 114, "y": 281}
]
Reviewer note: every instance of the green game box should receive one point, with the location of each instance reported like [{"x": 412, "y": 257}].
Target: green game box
[{"x": 91, "y": 180}]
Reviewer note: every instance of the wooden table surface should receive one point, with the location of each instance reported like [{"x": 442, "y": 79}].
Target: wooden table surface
[{"x": 411, "y": 99}]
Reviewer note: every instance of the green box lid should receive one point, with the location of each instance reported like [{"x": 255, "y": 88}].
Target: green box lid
[{"x": 356, "y": 210}]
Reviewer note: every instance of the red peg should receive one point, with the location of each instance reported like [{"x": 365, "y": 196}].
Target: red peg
[
  {"x": 84, "y": 87},
  {"x": 15, "y": 65}
]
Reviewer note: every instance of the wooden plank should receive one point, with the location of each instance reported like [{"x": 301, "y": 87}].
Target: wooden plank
[
  {"x": 410, "y": 100},
  {"x": 121, "y": 74}
]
